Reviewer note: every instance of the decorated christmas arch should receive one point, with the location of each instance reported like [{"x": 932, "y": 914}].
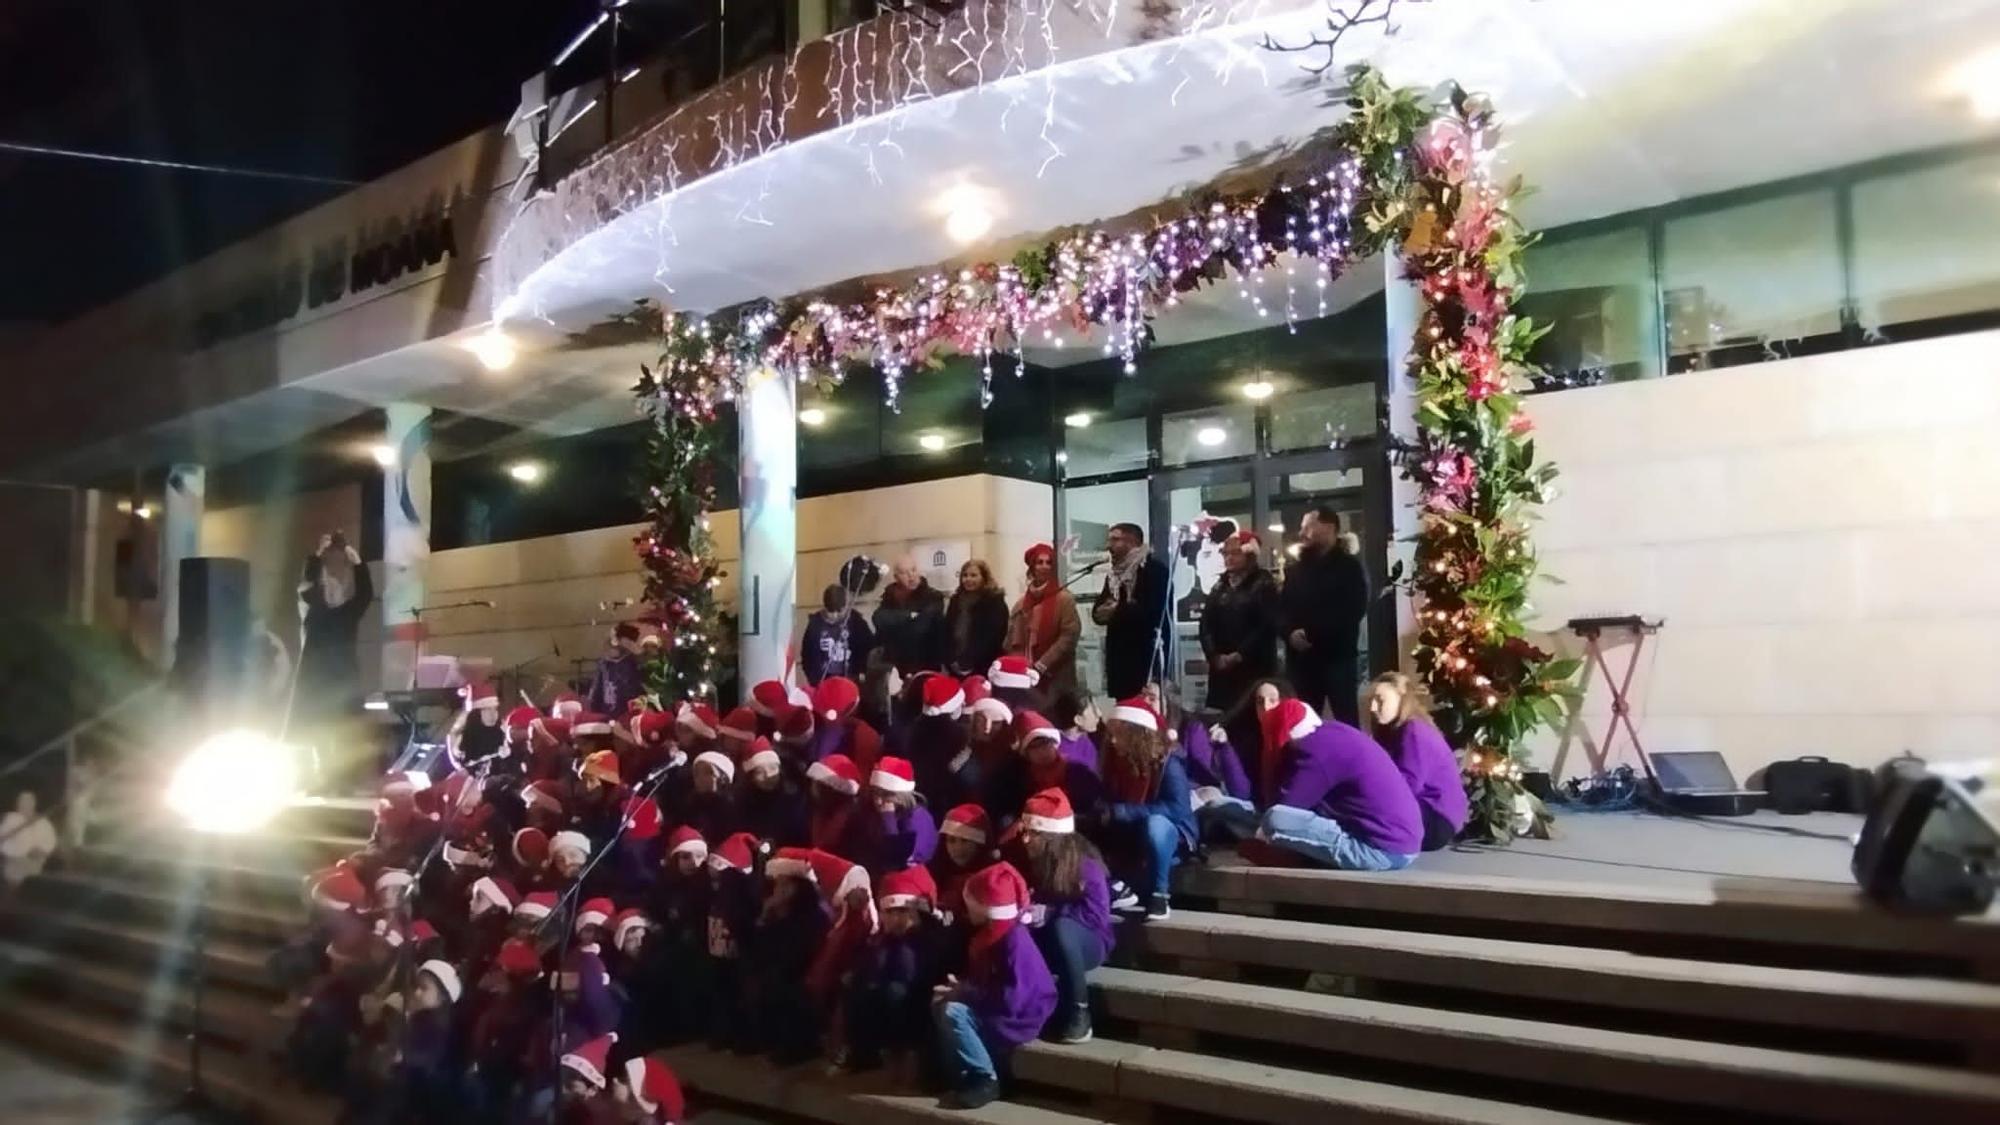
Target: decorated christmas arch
[{"x": 1406, "y": 172}]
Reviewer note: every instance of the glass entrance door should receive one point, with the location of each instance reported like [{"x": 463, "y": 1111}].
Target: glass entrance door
[{"x": 1193, "y": 511}]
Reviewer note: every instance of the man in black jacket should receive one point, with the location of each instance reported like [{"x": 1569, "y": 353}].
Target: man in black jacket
[
  {"x": 1324, "y": 602},
  {"x": 1131, "y": 607},
  {"x": 909, "y": 624}
]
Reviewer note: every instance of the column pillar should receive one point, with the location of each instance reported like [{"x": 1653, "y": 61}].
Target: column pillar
[
  {"x": 1403, "y": 309},
  {"x": 406, "y": 540},
  {"x": 768, "y": 467},
  {"x": 180, "y": 538}
]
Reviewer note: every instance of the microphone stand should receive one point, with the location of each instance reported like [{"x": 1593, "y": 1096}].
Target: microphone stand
[{"x": 565, "y": 907}]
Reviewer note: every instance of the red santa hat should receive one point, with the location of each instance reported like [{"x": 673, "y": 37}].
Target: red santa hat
[
  {"x": 600, "y": 764},
  {"x": 1290, "y": 719},
  {"x": 655, "y": 1088},
  {"x": 653, "y": 727},
  {"x": 539, "y": 905},
  {"x": 650, "y": 635},
  {"x": 479, "y": 696},
  {"x": 339, "y": 888},
  {"x": 837, "y": 877},
  {"x": 1013, "y": 672},
  {"x": 975, "y": 688},
  {"x": 1246, "y": 539},
  {"x": 543, "y": 795},
  {"x": 1038, "y": 551},
  {"x": 767, "y": 696},
  {"x": 518, "y": 958},
  {"x": 835, "y": 698},
  {"x": 893, "y": 775},
  {"x": 595, "y": 912},
  {"x": 459, "y": 794},
  {"x": 422, "y": 931},
  {"x": 687, "y": 841},
  {"x": 943, "y": 696},
  {"x": 721, "y": 763},
  {"x": 522, "y": 720},
  {"x": 910, "y": 887},
  {"x": 837, "y": 772},
  {"x": 699, "y": 718},
  {"x": 531, "y": 847},
  {"x": 629, "y": 919},
  {"x": 459, "y": 856},
  {"x": 590, "y": 1060},
  {"x": 552, "y": 732},
  {"x": 567, "y": 706},
  {"x": 995, "y": 897},
  {"x": 760, "y": 756},
  {"x": 736, "y": 853},
  {"x": 1048, "y": 811},
  {"x": 445, "y": 976},
  {"x": 493, "y": 893},
  {"x": 571, "y": 842},
  {"x": 1138, "y": 712},
  {"x": 966, "y": 822},
  {"x": 589, "y": 724},
  {"x": 790, "y": 863},
  {"x": 999, "y": 713},
  {"x": 795, "y": 723},
  {"x": 739, "y": 725},
  {"x": 1030, "y": 726}
]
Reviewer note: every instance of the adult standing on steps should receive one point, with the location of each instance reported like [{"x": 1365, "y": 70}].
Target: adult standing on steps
[
  {"x": 1325, "y": 599},
  {"x": 1131, "y": 607},
  {"x": 1044, "y": 626},
  {"x": 335, "y": 591},
  {"x": 909, "y": 624}
]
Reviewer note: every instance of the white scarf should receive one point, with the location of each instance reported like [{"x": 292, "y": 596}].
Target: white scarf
[{"x": 1125, "y": 575}]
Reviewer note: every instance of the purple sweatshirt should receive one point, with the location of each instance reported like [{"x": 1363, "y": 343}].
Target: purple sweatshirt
[
  {"x": 1420, "y": 751},
  {"x": 1080, "y": 749},
  {"x": 1091, "y": 909},
  {"x": 1339, "y": 773},
  {"x": 1009, "y": 989},
  {"x": 1212, "y": 763},
  {"x": 908, "y": 839}
]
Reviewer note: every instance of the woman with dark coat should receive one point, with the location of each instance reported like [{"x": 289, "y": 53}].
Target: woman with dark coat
[
  {"x": 975, "y": 621},
  {"x": 1239, "y": 625}
]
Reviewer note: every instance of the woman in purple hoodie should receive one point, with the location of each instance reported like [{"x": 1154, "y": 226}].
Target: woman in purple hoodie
[
  {"x": 1006, "y": 996},
  {"x": 906, "y": 833},
  {"x": 1072, "y": 915},
  {"x": 1403, "y": 727},
  {"x": 1340, "y": 801}
]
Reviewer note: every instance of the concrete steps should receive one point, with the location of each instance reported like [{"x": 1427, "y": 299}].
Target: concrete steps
[
  {"x": 1917, "y": 1008},
  {"x": 240, "y": 1017},
  {"x": 230, "y": 912},
  {"x": 1791, "y": 1084},
  {"x": 228, "y": 961},
  {"x": 805, "y": 1092}
]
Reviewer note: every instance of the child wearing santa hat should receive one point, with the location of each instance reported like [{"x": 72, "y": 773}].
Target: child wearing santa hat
[
  {"x": 835, "y": 700},
  {"x": 967, "y": 844},
  {"x": 709, "y": 804},
  {"x": 585, "y": 1095},
  {"x": 719, "y": 998},
  {"x": 1005, "y": 997},
  {"x": 1072, "y": 920},
  {"x": 645, "y": 1091},
  {"x": 938, "y": 745},
  {"x": 837, "y": 822},
  {"x": 887, "y": 1002},
  {"x": 501, "y": 1040},
  {"x": 906, "y": 834},
  {"x": 1340, "y": 799},
  {"x": 771, "y": 800},
  {"x": 1149, "y": 815},
  {"x": 475, "y": 735},
  {"x": 791, "y": 926},
  {"x": 679, "y": 904}
]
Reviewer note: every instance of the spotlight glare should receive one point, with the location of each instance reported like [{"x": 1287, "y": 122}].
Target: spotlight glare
[
  {"x": 1258, "y": 390},
  {"x": 527, "y": 472},
  {"x": 932, "y": 442},
  {"x": 812, "y": 416},
  {"x": 969, "y": 212},
  {"x": 233, "y": 783},
  {"x": 1078, "y": 420},
  {"x": 1976, "y": 81},
  {"x": 1211, "y": 435},
  {"x": 493, "y": 350},
  {"x": 384, "y": 454}
]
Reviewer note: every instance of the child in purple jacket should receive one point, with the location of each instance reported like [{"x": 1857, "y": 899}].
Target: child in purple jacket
[
  {"x": 1404, "y": 729},
  {"x": 907, "y": 833},
  {"x": 1072, "y": 915},
  {"x": 888, "y": 996},
  {"x": 1007, "y": 994},
  {"x": 1340, "y": 801}
]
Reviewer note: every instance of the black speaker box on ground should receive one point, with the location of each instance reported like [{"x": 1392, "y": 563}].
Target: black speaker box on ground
[{"x": 211, "y": 651}]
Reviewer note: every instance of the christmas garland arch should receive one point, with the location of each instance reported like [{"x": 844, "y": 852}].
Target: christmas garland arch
[{"x": 1405, "y": 173}]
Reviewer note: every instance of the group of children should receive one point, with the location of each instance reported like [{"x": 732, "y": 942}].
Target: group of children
[{"x": 785, "y": 879}]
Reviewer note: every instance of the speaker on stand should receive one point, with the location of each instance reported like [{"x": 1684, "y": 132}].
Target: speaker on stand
[{"x": 212, "y": 647}]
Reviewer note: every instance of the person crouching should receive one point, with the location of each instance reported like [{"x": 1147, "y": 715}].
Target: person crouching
[
  {"x": 1006, "y": 996},
  {"x": 888, "y": 995}
]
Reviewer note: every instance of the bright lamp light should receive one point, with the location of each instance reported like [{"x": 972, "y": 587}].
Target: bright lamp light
[
  {"x": 493, "y": 350},
  {"x": 233, "y": 783},
  {"x": 1211, "y": 435},
  {"x": 932, "y": 442}
]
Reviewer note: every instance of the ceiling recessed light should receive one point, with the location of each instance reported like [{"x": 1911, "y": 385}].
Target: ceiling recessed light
[
  {"x": 493, "y": 350},
  {"x": 1977, "y": 80},
  {"x": 813, "y": 416},
  {"x": 1277, "y": 526},
  {"x": 527, "y": 472},
  {"x": 933, "y": 442},
  {"x": 1078, "y": 420},
  {"x": 1211, "y": 435},
  {"x": 384, "y": 454},
  {"x": 1258, "y": 390},
  {"x": 969, "y": 212}
]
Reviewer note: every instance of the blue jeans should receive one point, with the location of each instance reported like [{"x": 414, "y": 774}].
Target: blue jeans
[
  {"x": 1163, "y": 844},
  {"x": 1324, "y": 841},
  {"x": 1071, "y": 951},
  {"x": 960, "y": 1044},
  {"x": 1234, "y": 814}
]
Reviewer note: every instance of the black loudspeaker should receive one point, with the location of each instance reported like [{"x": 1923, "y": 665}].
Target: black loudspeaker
[
  {"x": 1930, "y": 844},
  {"x": 211, "y": 651}
]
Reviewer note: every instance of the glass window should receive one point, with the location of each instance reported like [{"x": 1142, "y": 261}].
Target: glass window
[
  {"x": 1595, "y": 296},
  {"x": 1292, "y": 495},
  {"x": 1323, "y": 419},
  {"x": 1209, "y": 434},
  {"x": 1753, "y": 282},
  {"x": 1927, "y": 244},
  {"x": 1103, "y": 446}
]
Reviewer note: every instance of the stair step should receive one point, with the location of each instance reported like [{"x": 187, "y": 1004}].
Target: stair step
[
  {"x": 1719, "y": 1075},
  {"x": 1771, "y": 912},
  {"x": 228, "y": 911},
  {"x": 272, "y": 876},
  {"x": 108, "y": 1045},
  {"x": 149, "y": 945},
  {"x": 1903, "y": 1007},
  {"x": 862, "y": 1100},
  {"x": 227, "y": 1014},
  {"x": 1249, "y": 1091}
]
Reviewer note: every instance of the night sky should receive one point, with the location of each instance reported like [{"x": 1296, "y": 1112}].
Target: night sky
[{"x": 341, "y": 88}]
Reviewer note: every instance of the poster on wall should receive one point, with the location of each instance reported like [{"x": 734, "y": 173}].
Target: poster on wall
[{"x": 940, "y": 560}]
